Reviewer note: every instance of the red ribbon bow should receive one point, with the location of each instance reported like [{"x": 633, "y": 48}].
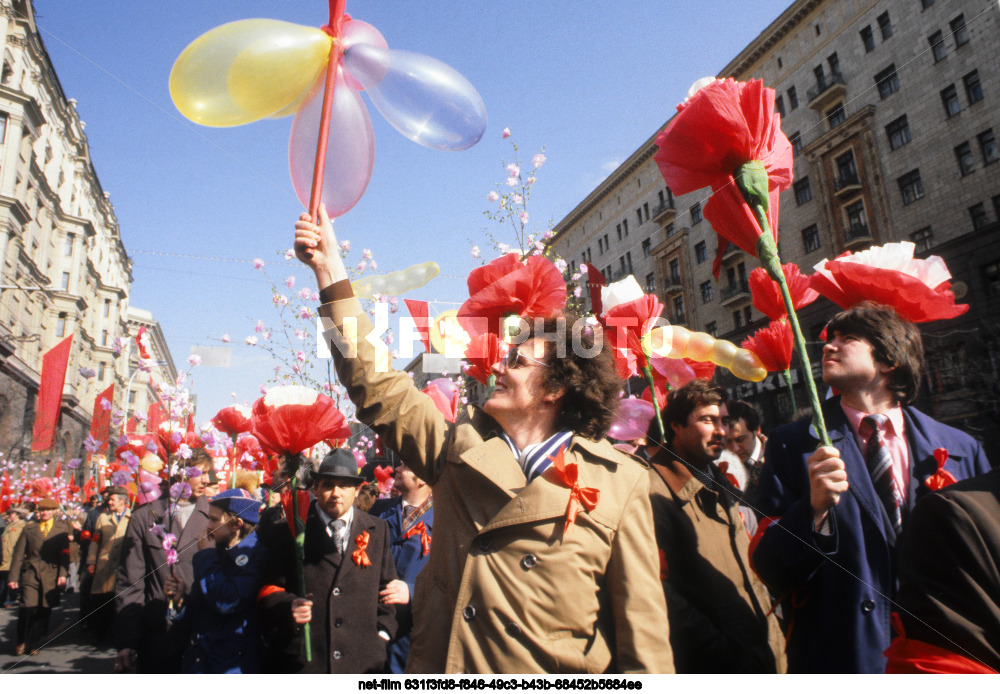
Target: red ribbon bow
[
  {"x": 942, "y": 478},
  {"x": 724, "y": 469},
  {"x": 425, "y": 537},
  {"x": 359, "y": 556},
  {"x": 578, "y": 496}
]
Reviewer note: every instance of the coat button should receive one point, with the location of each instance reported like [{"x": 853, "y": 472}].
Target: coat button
[
  {"x": 867, "y": 606},
  {"x": 513, "y": 629},
  {"x": 528, "y": 561},
  {"x": 337, "y": 655},
  {"x": 469, "y": 613},
  {"x": 338, "y": 622},
  {"x": 336, "y": 591},
  {"x": 485, "y": 543}
]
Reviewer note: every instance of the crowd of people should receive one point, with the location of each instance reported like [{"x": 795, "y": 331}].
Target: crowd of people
[{"x": 702, "y": 547}]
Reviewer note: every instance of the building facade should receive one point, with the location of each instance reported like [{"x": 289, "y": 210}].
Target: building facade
[{"x": 892, "y": 108}]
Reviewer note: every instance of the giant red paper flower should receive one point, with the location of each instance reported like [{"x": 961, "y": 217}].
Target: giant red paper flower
[
  {"x": 624, "y": 326},
  {"x": 773, "y": 345},
  {"x": 532, "y": 289},
  {"x": 767, "y": 295},
  {"x": 919, "y": 290},
  {"x": 248, "y": 453},
  {"x": 290, "y": 419},
  {"x": 483, "y": 353},
  {"x": 722, "y": 126},
  {"x": 232, "y": 420}
]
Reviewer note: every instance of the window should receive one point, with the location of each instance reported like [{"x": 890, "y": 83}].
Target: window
[
  {"x": 64, "y": 284},
  {"x": 857, "y": 221},
  {"x": 949, "y": 99},
  {"x": 679, "y": 309},
  {"x": 834, "y": 63},
  {"x": 584, "y": 256},
  {"x": 973, "y": 87},
  {"x": 867, "y": 39},
  {"x": 818, "y": 30},
  {"x": 696, "y": 213},
  {"x": 3, "y": 127},
  {"x": 898, "y": 132},
  {"x": 625, "y": 226},
  {"x": 737, "y": 320},
  {"x": 131, "y": 396},
  {"x": 647, "y": 248},
  {"x": 910, "y": 186},
  {"x": 991, "y": 278},
  {"x": 936, "y": 40},
  {"x": 978, "y": 214},
  {"x": 61, "y": 325},
  {"x": 885, "y": 25},
  {"x": 650, "y": 283},
  {"x": 926, "y": 3},
  {"x": 712, "y": 329},
  {"x": 835, "y": 116},
  {"x": 107, "y": 307},
  {"x": 923, "y": 239},
  {"x": 847, "y": 171},
  {"x": 803, "y": 193},
  {"x": 645, "y": 210},
  {"x": 780, "y": 64},
  {"x": 779, "y": 105},
  {"x": 963, "y": 153},
  {"x": 675, "y": 271},
  {"x": 748, "y": 314},
  {"x": 796, "y": 140},
  {"x": 619, "y": 228},
  {"x": 607, "y": 244},
  {"x": 104, "y": 338},
  {"x": 628, "y": 261},
  {"x": 810, "y": 238},
  {"x": 887, "y": 81},
  {"x": 959, "y": 31},
  {"x": 700, "y": 252},
  {"x": 670, "y": 229},
  {"x": 793, "y": 98},
  {"x": 101, "y": 371},
  {"x": 600, "y": 246},
  {"x": 988, "y": 146},
  {"x": 68, "y": 245},
  {"x": 706, "y": 292},
  {"x": 621, "y": 265},
  {"x": 638, "y": 213}
]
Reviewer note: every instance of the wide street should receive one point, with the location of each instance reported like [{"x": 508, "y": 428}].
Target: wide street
[{"x": 68, "y": 647}]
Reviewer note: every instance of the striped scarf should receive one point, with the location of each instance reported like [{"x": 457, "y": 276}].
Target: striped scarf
[{"x": 534, "y": 459}]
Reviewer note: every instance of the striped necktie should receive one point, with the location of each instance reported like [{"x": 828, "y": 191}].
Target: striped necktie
[{"x": 880, "y": 468}]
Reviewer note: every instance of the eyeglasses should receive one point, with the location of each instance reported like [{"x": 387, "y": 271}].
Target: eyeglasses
[{"x": 514, "y": 354}]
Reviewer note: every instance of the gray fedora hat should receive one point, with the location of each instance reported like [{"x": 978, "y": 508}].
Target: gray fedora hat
[{"x": 339, "y": 464}]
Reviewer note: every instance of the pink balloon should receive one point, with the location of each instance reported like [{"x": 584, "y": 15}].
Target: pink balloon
[
  {"x": 350, "y": 152},
  {"x": 446, "y": 386},
  {"x": 149, "y": 486},
  {"x": 631, "y": 420},
  {"x": 356, "y": 31},
  {"x": 359, "y": 458}
]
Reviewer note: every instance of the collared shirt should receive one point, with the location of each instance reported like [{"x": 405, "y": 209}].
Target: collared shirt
[
  {"x": 536, "y": 458},
  {"x": 893, "y": 438},
  {"x": 758, "y": 453},
  {"x": 348, "y": 518}
]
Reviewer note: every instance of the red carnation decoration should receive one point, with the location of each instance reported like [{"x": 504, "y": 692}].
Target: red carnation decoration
[
  {"x": 625, "y": 324},
  {"x": 720, "y": 128},
  {"x": 290, "y": 419},
  {"x": 532, "y": 289},
  {"x": 773, "y": 345},
  {"x": 767, "y": 294},
  {"x": 232, "y": 420}
]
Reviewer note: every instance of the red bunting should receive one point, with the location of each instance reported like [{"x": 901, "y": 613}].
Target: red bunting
[
  {"x": 50, "y": 388},
  {"x": 100, "y": 420},
  {"x": 418, "y": 309}
]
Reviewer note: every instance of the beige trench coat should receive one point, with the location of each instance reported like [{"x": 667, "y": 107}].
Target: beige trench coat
[
  {"x": 505, "y": 590},
  {"x": 104, "y": 552}
]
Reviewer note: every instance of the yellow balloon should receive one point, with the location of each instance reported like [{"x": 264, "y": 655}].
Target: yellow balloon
[
  {"x": 448, "y": 337},
  {"x": 397, "y": 282},
  {"x": 748, "y": 366},
  {"x": 699, "y": 347},
  {"x": 681, "y": 336},
  {"x": 247, "y": 70},
  {"x": 661, "y": 340},
  {"x": 723, "y": 353}
]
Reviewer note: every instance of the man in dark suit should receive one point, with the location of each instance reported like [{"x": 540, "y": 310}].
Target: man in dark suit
[
  {"x": 347, "y": 563},
  {"x": 39, "y": 567},
  {"x": 411, "y": 521},
  {"x": 833, "y": 514},
  {"x": 147, "y": 582}
]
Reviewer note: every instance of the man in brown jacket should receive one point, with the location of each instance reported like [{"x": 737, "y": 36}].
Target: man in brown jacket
[
  {"x": 103, "y": 557},
  {"x": 511, "y": 585},
  {"x": 39, "y": 568},
  {"x": 8, "y": 541},
  {"x": 717, "y": 607}
]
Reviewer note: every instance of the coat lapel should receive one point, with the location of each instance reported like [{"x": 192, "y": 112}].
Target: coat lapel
[
  {"x": 922, "y": 461},
  {"x": 858, "y": 477},
  {"x": 493, "y": 460},
  {"x": 362, "y": 522}
]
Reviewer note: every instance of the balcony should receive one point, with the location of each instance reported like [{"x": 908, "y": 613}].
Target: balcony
[
  {"x": 828, "y": 90},
  {"x": 673, "y": 285},
  {"x": 847, "y": 184},
  {"x": 857, "y": 236},
  {"x": 732, "y": 251},
  {"x": 734, "y": 293},
  {"x": 663, "y": 213}
]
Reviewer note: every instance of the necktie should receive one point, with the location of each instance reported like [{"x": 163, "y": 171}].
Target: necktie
[
  {"x": 337, "y": 527},
  {"x": 880, "y": 468}
]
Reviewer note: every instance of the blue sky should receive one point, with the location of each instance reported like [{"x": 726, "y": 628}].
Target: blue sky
[{"x": 588, "y": 81}]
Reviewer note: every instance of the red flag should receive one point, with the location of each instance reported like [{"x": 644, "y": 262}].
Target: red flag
[
  {"x": 88, "y": 488},
  {"x": 595, "y": 280},
  {"x": 100, "y": 421},
  {"x": 142, "y": 341},
  {"x": 130, "y": 425},
  {"x": 154, "y": 417},
  {"x": 58, "y": 472},
  {"x": 190, "y": 426},
  {"x": 418, "y": 309},
  {"x": 50, "y": 389}
]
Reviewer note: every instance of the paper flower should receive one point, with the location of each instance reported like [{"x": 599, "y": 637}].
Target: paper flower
[
  {"x": 233, "y": 420},
  {"x": 626, "y": 320},
  {"x": 919, "y": 290},
  {"x": 767, "y": 295},
  {"x": 483, "y": 353},
  {"x": 723, "y": 126},
  {"x": 773, "y": 345},
  {"x": 290, "y": 419},
  {"x": 534, "y": 288}
]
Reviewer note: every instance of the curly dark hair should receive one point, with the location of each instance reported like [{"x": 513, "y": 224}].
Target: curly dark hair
[{"x": 581, "y": 363}]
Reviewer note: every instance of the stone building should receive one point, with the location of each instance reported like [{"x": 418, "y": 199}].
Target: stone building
[
  {"x": 63, "y": 268},
  {"x": 892, "y": 110}
]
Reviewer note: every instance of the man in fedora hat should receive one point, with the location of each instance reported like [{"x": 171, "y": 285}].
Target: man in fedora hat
[
  {"x": 103, "y": 556},
  {"x": 347, "y": 563},
  {"x": 39, "y": 567}
]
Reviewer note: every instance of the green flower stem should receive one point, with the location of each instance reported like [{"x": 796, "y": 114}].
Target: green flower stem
[
  {"x": 491, "y": 383},
  {"x": 791, "y": 388},
  {"x": 768, "y": 254},
  {"x": 300, "y": 556},
  {"x": 647, "y": 371}
]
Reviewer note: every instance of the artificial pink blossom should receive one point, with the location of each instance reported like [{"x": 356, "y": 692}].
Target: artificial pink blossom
[
  {"x": 513, "y": 169},
  {"x": 251, "y": 340},
  {"x": 305, "y": 293},
  {"x": 260, "y": 326},
  {"x": 345, "y": 246},
  {"x": 511, "y": 181},
  {"x": 537, "y": 160},
  {"x": 289, "y": 254},
  {"x": 258, "y": 264},
  {"x": 194, "y": 359},
  {"x": 305, "y": 313},
  {"x": 516, "y": 198},
  {"x": 87, "y": 372},
  {"x": 301, "y": 356},
  {"x": 301, "y": 334},
  {"x": 492, "y": 196},
  {"x": 105, "y": 404},
  {"x": 475, "y": 251},
  {"x": 226, "y": 338},
  {"x": 524, "y": 217},
  {"x": 505, "y": 134},
  {"x": 531, "y": 180},
  {"x": 290, "y": 281}
]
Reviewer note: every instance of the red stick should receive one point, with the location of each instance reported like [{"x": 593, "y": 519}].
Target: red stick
[{"x": 333, "y": 29}]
